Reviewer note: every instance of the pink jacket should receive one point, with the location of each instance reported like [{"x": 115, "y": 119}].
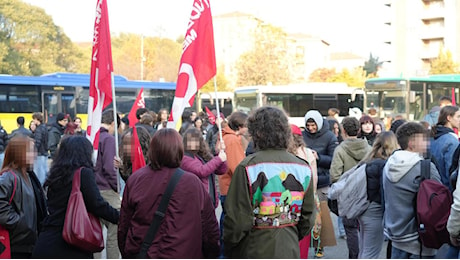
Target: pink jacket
[{"x": 204, "y": 171}]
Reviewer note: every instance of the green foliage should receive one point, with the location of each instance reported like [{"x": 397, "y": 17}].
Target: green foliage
[
  {"x": 371, "y": 67},
  {"x": 267, "y": 62},
  {"x": 443, "y": 64},
  {"x": 31, "y": 44}
]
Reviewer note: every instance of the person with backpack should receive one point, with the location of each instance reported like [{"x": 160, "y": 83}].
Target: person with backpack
[
  {"x": 444, "y": 141},
  {"x": 348, "y": 154},
  {"x": 370, "y": 222},
  {"x": 401, "y": 179}
]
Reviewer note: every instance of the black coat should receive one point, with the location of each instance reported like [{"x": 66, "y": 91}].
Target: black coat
[
  {"x": 324, "y": 143},
  {"x": 3, "y": 140},
  {"x": 50, "y": 243},
  {"x": 374, "y": 171}
]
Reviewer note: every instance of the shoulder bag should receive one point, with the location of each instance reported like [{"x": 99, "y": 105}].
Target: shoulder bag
[
  {"x": 5, "y": 246},
  {"x": 159, "y": 214},
  {"x": 81, "y": 228}
]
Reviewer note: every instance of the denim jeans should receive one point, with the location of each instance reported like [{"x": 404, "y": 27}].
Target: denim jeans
[
  {"x": 2, "y": 157},
  {"x": 401, "y": 254},
  {"x": 222, "y": 216},
  {"x": 452, "y": 253},
  {"x": 41, "y": 168}
]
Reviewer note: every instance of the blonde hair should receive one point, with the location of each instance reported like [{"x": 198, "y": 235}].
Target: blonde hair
[{"x": 384, "y": 145}]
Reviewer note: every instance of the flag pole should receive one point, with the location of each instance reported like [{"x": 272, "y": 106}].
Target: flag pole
[
  {"x": 219, "y": 125},
  {"x": 115, "y": 116}
]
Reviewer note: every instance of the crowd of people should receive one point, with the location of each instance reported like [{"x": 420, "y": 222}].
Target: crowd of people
[{"x": 271, "y": 179}]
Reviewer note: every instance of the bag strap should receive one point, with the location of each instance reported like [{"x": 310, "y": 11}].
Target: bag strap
[
  {"x": 14, "y": 187},
  {"x": 426, "y": 167},
  {"x": 160, "y": 213}
]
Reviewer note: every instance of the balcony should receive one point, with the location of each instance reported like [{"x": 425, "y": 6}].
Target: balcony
[
  {"x": 435, "y": 33},
  {"x": 429, "y": 52}
]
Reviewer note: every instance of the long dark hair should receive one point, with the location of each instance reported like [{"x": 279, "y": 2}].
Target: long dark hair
[
  {"x": 203, "y": 149},
  {"x": 74, "y": 151}
]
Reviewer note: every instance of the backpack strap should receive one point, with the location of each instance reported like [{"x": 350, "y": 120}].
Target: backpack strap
[
  {"x": 425, "y": 169},
  {"x": 160, "y": 213}
]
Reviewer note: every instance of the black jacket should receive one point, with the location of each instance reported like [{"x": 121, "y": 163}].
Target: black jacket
[
  {"x": 41, "y": 140},
  {"x": 54, "y": 137},
  {"x": 3, "y": 140},
  {"x": 324, "y": 143},
  {"x": 21, "y": 131},
  {"x": 50, "y": 244},
  {"x": 16, "y": 217},
  {"x": 374, "y": 171}
]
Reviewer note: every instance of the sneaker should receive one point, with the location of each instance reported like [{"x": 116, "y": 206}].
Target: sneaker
[
  {"x": 343, "y": 236},
  {"x": 319, "y": 253}
]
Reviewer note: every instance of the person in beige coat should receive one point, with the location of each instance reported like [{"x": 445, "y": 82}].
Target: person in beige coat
[{"x": 349, "y": 153}]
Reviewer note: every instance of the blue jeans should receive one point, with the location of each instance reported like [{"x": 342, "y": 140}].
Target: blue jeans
[
  {"x": 41, "y": 168},
  {"x": 222, "y": 216},
  {"x": 452, "y": 253},
  {"x": 401, "y": 254},
  {"x": 2, "y": 157}
]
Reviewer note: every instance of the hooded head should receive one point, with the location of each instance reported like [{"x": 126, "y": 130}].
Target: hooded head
[{"x": 314, "y": 116}]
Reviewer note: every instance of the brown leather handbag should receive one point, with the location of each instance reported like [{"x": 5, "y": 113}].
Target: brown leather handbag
[{"x": 81, "y": 228}]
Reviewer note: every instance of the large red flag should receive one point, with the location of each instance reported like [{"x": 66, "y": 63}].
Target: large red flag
[
  {"x": 137, "y": 157},
  {"x": 198, "y": 61},
  {"x": 139, "y": 103},
  {"x": 100, "y": 86}
]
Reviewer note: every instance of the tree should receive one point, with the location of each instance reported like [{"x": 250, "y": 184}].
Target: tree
[
  {"x": 221, "y": 82},
  {"x": 267, "y": 61},
  {"x": 321, "y": 75},
  {"x": 161, "y": 57},
  {"x": 444, "y": 64},
  {"x": 371, "y": 67},
  {"x": 355, "y": 78},
  {"x": 31, "y": 44}
]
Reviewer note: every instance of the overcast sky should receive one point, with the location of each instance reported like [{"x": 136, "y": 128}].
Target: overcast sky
[{"x": 351, "y": 25}]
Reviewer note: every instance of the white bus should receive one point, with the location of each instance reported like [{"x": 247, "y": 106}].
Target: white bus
[
  {"x": 208, "y": 99},
  {"x": 297, "y": 99}
]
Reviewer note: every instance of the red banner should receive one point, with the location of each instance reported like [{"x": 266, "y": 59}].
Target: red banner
[
  {"x": 100, "y": 87},
  {"x": 139, "y": 103},
  {"x": 198, "y": 61}
]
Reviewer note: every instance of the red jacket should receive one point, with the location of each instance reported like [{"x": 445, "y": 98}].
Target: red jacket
[
  {"x": 189, "y": 228},
  {"x": 205, "y": 171}
]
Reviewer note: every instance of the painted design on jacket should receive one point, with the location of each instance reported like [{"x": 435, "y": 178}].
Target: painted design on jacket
[{"x": 277, "y": 191}]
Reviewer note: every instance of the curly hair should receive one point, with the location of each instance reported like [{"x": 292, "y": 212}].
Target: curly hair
[
  {"x": 269, "y": 128},
  {"x": 203, "y": 151},
  {"x": 351, "y": 126},
  {"x": 408, "y": 130},
  {"x": 74, "y": 151}
]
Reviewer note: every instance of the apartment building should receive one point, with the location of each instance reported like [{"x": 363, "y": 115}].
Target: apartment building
[{"x": 415, "y": 32}]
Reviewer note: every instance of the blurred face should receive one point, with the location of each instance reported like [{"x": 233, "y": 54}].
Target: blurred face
[
  {"x": 336, "y": 129},
  {"x": 77, "y": 122},
  {"x": 63, "y": 122},
  {"x": 418, "y": 143},
  {"x": 312, "y": 127},
  {"x": 164, "y": 116},
  {"x": 193, "y": 142},
  {"x": 193, "y": 116},
  {"x": 378, "y": 129},
  {"x": 32, "y": 126},
  {"x": 198, "y": 123},
  {"x": 454, "y": 120},
  {"x": 30, "y": 154},
  {"x": 367, "y": 127}
]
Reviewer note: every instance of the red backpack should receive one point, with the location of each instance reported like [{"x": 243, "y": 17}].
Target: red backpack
[{"x": 434, "y": 200}]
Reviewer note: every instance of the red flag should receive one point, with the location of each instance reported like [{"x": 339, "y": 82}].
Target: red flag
[
  {"x": 137, "y": 157},
  {"x": 139, "y": 103},
  {"x": 211, "y": 116},
  {"x": 100, "y": 86},
  {"x": 198, "y": 61}
]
